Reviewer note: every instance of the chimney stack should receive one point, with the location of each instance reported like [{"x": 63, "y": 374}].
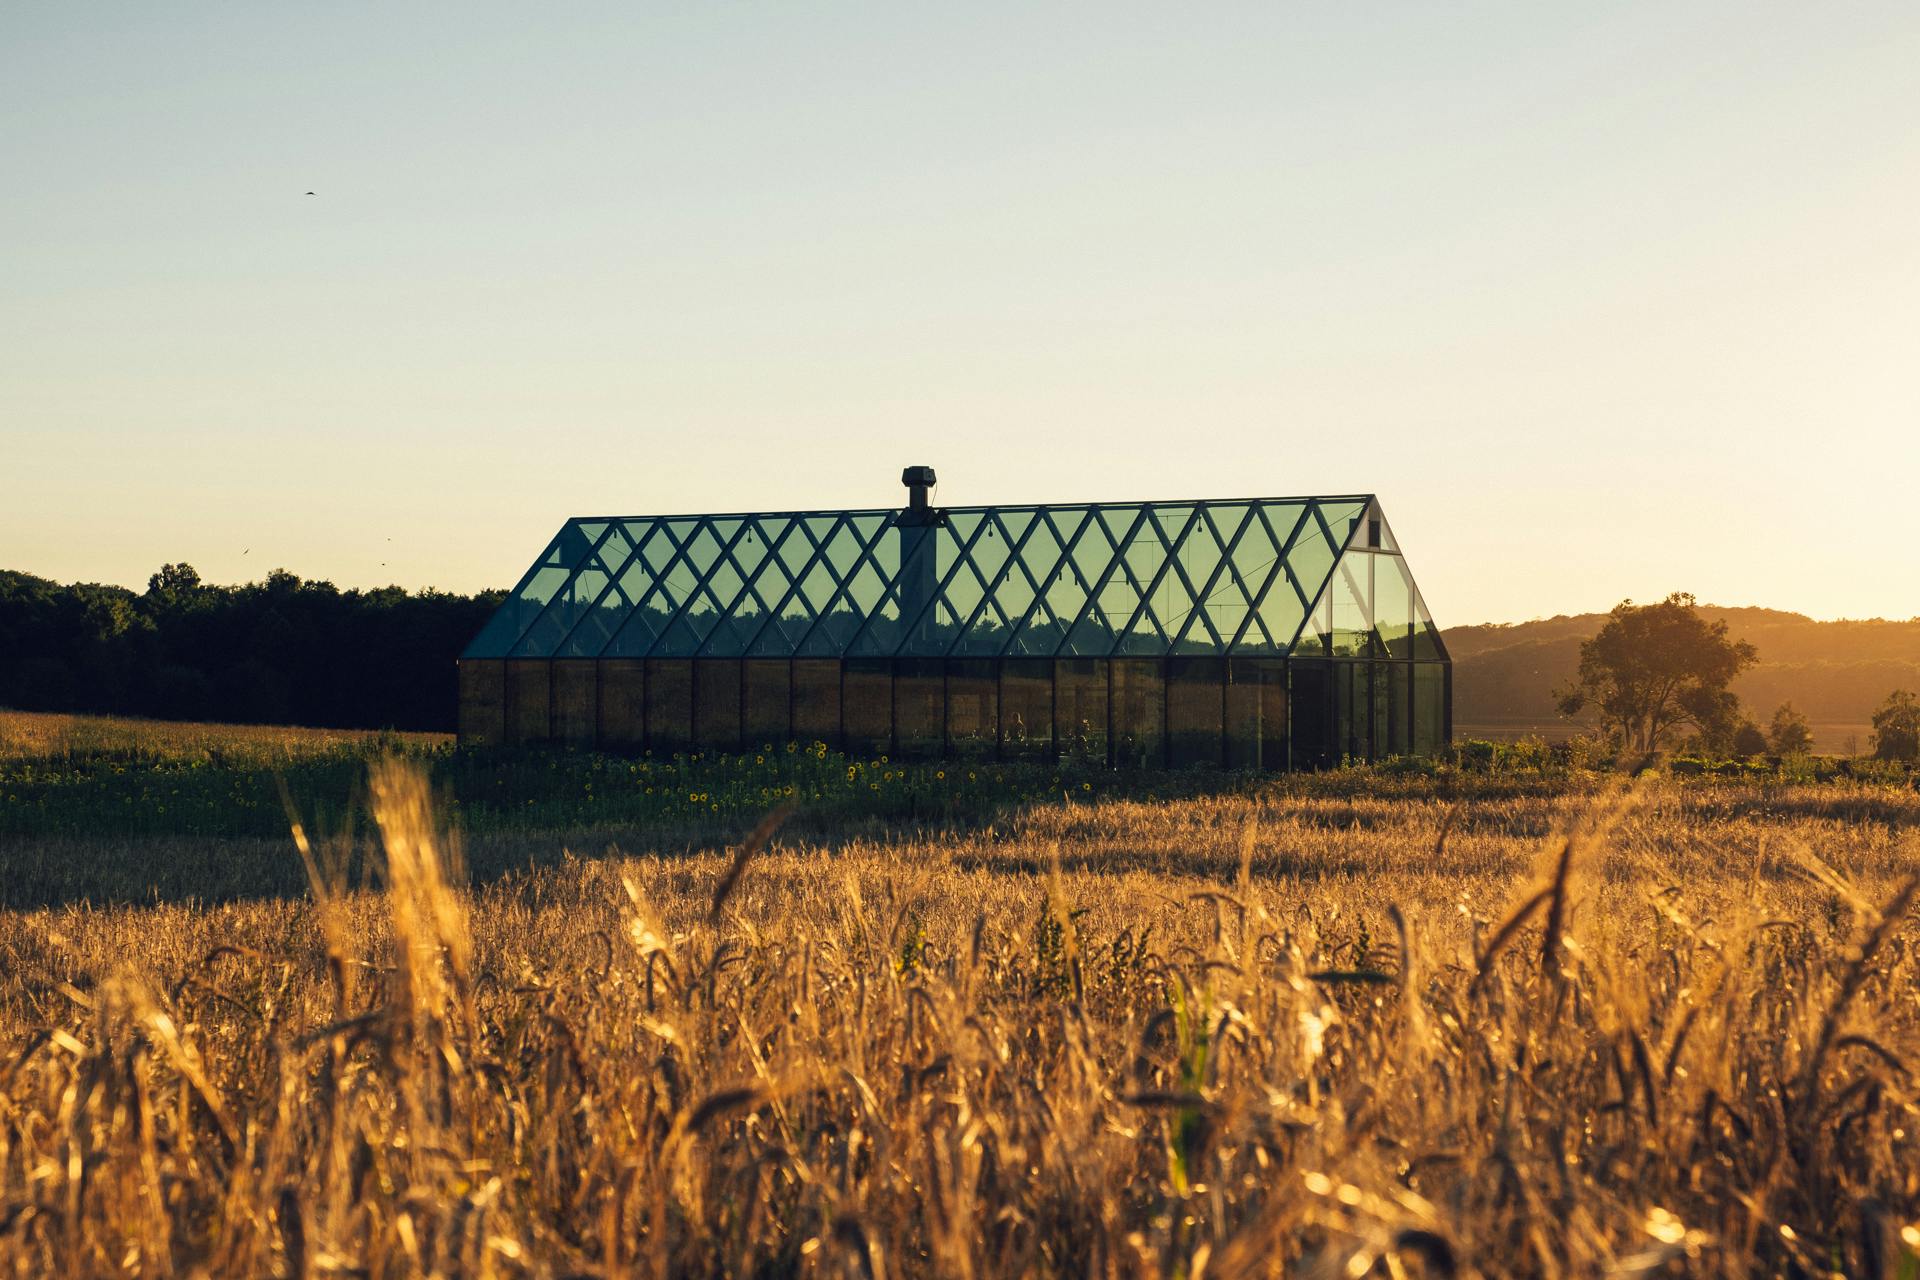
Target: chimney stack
[
  {"x": 918, "y": 481},
  {"x": 919, "y": 577}
]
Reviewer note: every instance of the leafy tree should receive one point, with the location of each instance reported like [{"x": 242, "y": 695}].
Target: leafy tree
[
  {"x": 1654, "y": 670},
  {"x": 1896, "y": 727},
  {"x": 1789, "y": 734},
  {"x": 174, "y": 585},
  {"x": 1748, "y": 740}
]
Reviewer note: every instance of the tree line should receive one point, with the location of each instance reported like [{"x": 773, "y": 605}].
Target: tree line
[{"x": 281, "y": 651}]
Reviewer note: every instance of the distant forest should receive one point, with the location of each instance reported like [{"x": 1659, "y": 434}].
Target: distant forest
[
  {"x": 1835, "y": 673},
  {"x": 282, "y": 651}
]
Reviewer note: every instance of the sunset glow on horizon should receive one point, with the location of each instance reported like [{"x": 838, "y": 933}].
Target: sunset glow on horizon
[{"x": 1600, "y": 304}]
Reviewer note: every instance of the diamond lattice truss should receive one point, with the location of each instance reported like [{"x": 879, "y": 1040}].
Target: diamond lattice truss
[{"x": 1268, "y": 576}]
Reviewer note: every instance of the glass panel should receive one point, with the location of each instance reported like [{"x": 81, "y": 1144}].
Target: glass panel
[
  {"x": 867, "y": 590},
  {"x": 1346, "y": 521},
  {"x": 746, "y": 588},
  {"x": 540, "y": 584},
  {"x": 1393, "y": 605},
  {"x": 737, "y": 628},
  {"x": 1172, "y": 598},
  {"x": 1426, "y": 636},
  {"x": 1262, "y": 571},
  {"x": 881, "y": 631},
  {"x": 716, "y": 704},
  {"x": 578, "y": 597},
  {"x": 647, "y": 579},
  {"x": 1309, "y": 562},
  {"x": 752, "y": 550},
  {"x": 1229, "y": 598},
  {"x": 973, "y": 705},
  {"x": 720, "y": 590},
  {"x": 1367, "y": 528},
  {"x": 768, "y": 689},
  {"x": 700, "y": 551},
  {"x": 1038, "y": 632},
  {"x": 678, "y": 638},
  {"x": 1026, "y": 708},
  {"x": 1200, "y": 558},
  {"x": 806, "y": 581},
  {"x": 1310, "y": 710},
  {"x": 864, "y": 585},
  {"x": 816, "y": 701},
  {"x": 623, "y": 706},
  {"x": 1194, "y": 710},
  {"x": 1274, "y": 726},
  {"x": 1085, "y": 554},
  {"x": 1092, "y": 636},
  {"x": 1378, "y": 531},
  {"x": 884, "y": 551},
  {"x": 1352, "y": 596},
  {"x": 988, "y": 632},
  {"x": 1316, "y": 633},
  {"x": 1115, "y": 597},
  {"x": 669, "y": 704},
  {"x": 529, "y": 700},
  {"x": 626, "y": 580},
  {"x": 711, "y": 551},
  {"x": 483, "y": 700},
  {"x": 575, "y": 701},
  {"x": 1256, "y": 713},
  {"x": 1080, "y": 709},
  {"x": 1393, "y": 709},
  {"x": 1429, "y": 708},
  {"x": 1379, "y": 733},
  {"x": 1008, "y": 592},
  {"x": 1142, "y": 564},
  {"x": 867, "y": 706},
  {"x": 1352, "y": 710},
  {"x": 918, "y": 702},
  {"x": 709, "y": 597},
  {"x": 1139, "y": 713},
  {"x": 966, "y": 589},
  {"x": 632, "y": 574},
  {"x": 1260, "y": 555}
]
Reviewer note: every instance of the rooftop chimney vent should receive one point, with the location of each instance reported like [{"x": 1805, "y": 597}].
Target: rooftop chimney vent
[{"x": 919, "y": 480}]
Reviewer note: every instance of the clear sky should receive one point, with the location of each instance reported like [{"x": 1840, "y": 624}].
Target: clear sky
[{"x": 1603, "y": 300}]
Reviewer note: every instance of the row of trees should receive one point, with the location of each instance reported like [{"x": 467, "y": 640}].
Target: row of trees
[
  {"x": 1657, "y": 675},
  {"x": 282, "y": 651}
]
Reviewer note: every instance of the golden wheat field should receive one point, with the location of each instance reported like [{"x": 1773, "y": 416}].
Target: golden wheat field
[{"x": 1625, "y": 1027}]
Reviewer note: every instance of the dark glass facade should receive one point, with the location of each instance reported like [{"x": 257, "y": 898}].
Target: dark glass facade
[{"x": 1263, "y": 634}]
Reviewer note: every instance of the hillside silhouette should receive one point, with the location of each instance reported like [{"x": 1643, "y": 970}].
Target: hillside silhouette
[{"x": 1836, "y": 673}]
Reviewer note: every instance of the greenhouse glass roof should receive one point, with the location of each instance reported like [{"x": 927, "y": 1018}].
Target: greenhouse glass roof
[{"x": 1267, "y": 576}]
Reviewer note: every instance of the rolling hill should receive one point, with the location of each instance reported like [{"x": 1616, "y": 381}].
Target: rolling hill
[{"x": 1836, "y": 673}]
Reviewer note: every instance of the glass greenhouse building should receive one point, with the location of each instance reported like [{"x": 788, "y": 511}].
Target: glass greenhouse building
[{"x": 1266, "y": 633}]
